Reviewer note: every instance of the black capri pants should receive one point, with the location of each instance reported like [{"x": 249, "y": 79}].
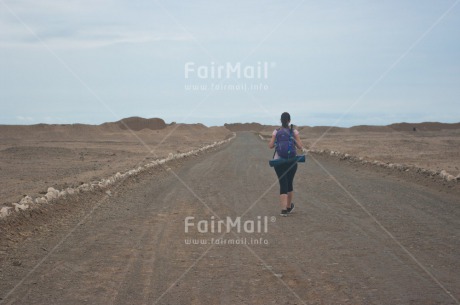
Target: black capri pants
[{"x": 286, "y": 173}]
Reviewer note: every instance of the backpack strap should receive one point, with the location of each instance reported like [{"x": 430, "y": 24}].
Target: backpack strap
[
  {"x": 290, "y": 141},
  {"x": 276, "y": 142}
]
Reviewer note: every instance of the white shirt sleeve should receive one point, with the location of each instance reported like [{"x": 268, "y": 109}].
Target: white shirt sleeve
[{"x": 296, "y": 132}]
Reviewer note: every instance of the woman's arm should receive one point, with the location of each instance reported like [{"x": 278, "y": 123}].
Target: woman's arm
[
  {"x": 298, "y": 143},
  {"x": 271, "y": 144}
]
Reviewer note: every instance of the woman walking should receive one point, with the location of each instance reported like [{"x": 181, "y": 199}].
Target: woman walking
[{"x": 285, "y": 140}]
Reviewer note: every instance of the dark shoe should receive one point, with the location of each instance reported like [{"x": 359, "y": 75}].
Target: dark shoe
[
  {"x": 284, "y": 213},
  {"x": 289, "y": 210}
]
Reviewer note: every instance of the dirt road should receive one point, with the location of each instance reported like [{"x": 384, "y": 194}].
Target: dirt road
[{"x": 373, "y": 239}]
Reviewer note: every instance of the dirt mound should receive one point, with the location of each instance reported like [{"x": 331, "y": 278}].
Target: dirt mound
[
  {"x": 244, "y": 127},
  {"x": 425, "y": 126},
  {"x": 322, "y": 129},
  {"x": 186, "y": 127},
  {"x": 138, "y": 123},
  {"x": 371, "y": 128}
]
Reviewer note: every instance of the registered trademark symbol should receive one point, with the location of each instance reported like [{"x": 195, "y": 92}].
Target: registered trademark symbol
[{"x": 273, "y": 219}]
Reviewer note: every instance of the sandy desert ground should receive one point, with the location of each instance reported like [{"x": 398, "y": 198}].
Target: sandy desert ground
[
  {"x": 431, "y": 146},
  {"x": 33, "y": 158}
]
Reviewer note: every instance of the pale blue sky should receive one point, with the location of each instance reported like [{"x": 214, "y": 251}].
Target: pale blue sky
[{"x": 331, "y": 62}]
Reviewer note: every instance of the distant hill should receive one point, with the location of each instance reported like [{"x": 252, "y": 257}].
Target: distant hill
[
  {"x": 244, "y": 127},
  {"x": 109, "y": 131},
  {"x": 137, "y": 123},
  {"x": 425, "y": 126}
]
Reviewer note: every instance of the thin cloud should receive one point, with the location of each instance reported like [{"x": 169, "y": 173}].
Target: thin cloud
[
  {"x": 24, "y": 119},
  {"x": 74, "y": 25},
  {"x": 83, "y": 38}
]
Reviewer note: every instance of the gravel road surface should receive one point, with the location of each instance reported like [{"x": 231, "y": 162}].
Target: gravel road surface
[{"x": 357, "y": 236}]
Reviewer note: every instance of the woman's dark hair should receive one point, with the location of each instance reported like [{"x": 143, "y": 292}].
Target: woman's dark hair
[{"x": 285, "y": 118}]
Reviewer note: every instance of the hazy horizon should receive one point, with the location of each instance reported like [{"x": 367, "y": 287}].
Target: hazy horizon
[{"x": 247, "y": 122}]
